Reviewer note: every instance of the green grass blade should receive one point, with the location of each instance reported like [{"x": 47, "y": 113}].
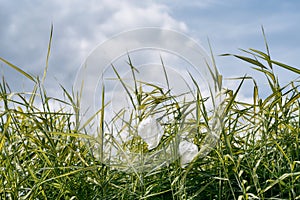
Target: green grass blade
[
  {"x": 18, "y": 69},
  {"x": 293, "y": 69},
  {"x": 48, "y": 55}
]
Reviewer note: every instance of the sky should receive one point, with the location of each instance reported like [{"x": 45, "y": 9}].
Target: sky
[{"x": 80, "y": 25}]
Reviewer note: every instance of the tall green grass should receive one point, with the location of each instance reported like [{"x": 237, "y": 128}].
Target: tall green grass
[{"x": 44, "y": 154}]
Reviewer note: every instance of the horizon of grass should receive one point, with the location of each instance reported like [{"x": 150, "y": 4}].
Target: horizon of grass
[{"x": 46, "y": 154}]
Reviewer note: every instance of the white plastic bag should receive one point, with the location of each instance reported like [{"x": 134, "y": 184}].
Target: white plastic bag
[
  {"x": 187, "y": 151},
  {"x": 150, "y": 131}
]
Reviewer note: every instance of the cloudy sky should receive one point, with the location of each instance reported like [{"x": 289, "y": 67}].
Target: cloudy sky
[{"x": 79, "y": 26}]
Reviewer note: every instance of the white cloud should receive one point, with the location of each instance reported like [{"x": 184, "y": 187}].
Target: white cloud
[
  {"x": 203, "y": 4},
  {"x": 78, "y": 27}
]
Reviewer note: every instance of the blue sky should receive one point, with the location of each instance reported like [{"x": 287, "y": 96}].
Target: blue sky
[{"x": 79, "y": 26}]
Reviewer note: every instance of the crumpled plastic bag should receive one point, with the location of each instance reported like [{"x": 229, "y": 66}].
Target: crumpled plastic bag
[
  {"x": 150, "y": 131},
  {"x": 187, "y": 151}
]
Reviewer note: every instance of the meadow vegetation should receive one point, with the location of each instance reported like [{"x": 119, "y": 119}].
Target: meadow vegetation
[{"x": 46, "y": 154}]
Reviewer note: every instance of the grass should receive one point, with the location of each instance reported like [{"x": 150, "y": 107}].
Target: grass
[{"x": 44, "y": 154}]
